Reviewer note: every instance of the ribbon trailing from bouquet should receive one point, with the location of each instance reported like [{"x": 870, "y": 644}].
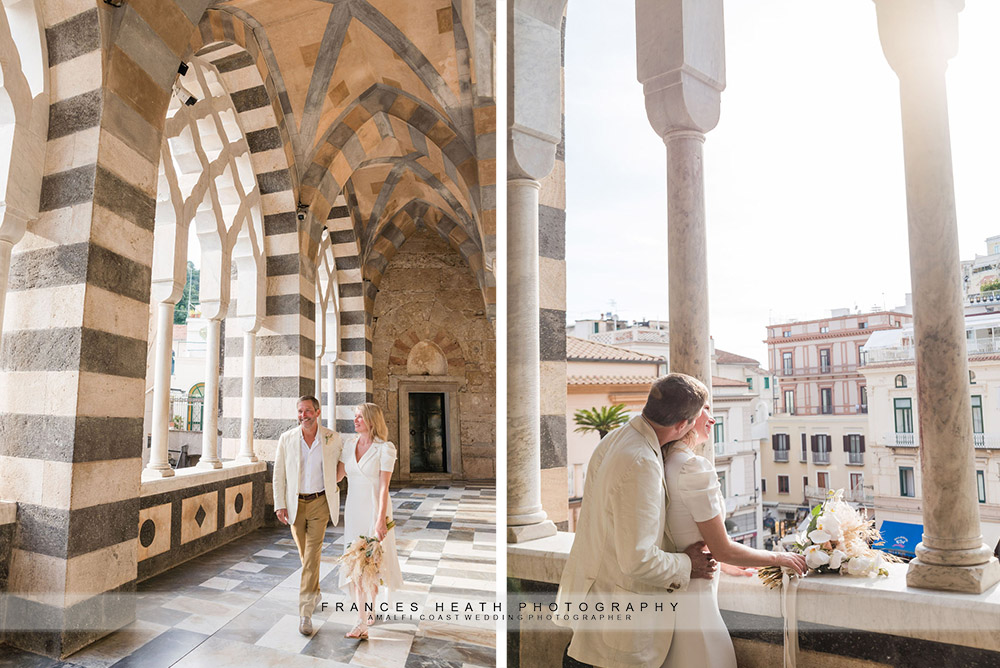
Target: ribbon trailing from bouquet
[{"x": 789, "y": 587}]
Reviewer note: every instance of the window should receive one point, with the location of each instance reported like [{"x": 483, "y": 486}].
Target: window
[
  {"x": 821, "y": 448},
  {"x": 857, "y": 482},
  {"x": 720, "y": 430},
  {"x": 750, "y": 382},
  {"x": 597, "y": 327},
  {"x": 196, "y": 407},
  {"x": 854, "y": 446},
  {"x": 861, "y": 355},
  {"x": 782, "y": 484},
  {"x": 863, "y": 391},
  {"x": 786, "y": 333},
  {"x": 763, "y": 485},
  {"x": 981, "y": 485},
  {"x": 722, "y": 483},
  {"x": 786, "y": 363},
  {"x": 823, "y": 479},
  {"x": 826, "y": 400},
  {"x": 977, "y": 414},
  {"x": 803, "y": 457},
  {"x": 904, "y": 415},
  {"x": 790, "y": 402},
  {"x": 972, "y": 377},
  {"x": 767, "y": 383},
  {"x": 824, "y": 329},
  {"x": 805, "y": 484},
  {"x": 780, "y": 445},
  {"x": 900, "y": 380},
  {"x": 824, "y": 360},
  {"x": 862, "y": 325},
  {"x": 906, "y": 486}
]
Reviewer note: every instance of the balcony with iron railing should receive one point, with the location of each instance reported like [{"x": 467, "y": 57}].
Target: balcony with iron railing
[
  {"x": 781, "y": 455},
  {"x": 903, "y": 440},
  {"x": 855, "y": 458},
  {"x": 789, "y": 371},
  {"x": 829, "y": 409},
  {"x": 815, "y": 494},
  {"x": 821, "y": 457}
]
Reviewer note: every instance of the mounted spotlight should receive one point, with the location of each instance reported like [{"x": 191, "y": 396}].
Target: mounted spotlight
[
  {"x": 182, "y": 69},
  {"x": 114, "y": 3},
  {"x": 184, "y": 95},
  {"x": 302, "y": 210}
]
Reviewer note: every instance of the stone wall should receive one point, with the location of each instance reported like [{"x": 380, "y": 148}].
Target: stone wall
[{"x": 428, "y": 293}]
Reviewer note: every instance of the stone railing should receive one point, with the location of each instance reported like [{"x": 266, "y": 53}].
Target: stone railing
[
  {"x": 980, "y": 441},
  {"x": 842, "y": 621}
]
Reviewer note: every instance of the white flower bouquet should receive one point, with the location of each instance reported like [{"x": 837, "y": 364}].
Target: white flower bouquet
[
  {"x": 362, "y": 561},
  {"x": 838, "y": 540}
]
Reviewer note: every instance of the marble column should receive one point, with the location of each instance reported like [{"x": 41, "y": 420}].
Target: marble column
[
  {"x": 680, "y": 51},
  {"x": 534, "y": 115},
  {"x": 331, "y": 394},
  {"x": 526, "y": 520},
  {"x": 246, "y": 413},
  {"x": 12, "y": 227},
  {"x": 918, "y": 38},
  {"x": 159, "y": 464},
  {"x": 5, "y": 249},
  {"x": 210, "y": 407}
]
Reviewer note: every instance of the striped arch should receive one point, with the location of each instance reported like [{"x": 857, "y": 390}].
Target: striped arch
[{"x": 285, "y": 346}]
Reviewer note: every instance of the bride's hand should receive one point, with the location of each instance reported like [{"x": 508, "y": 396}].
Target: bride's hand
[
  {"x": 381, "y": 530},
  {"x": 739, "y": 571}
]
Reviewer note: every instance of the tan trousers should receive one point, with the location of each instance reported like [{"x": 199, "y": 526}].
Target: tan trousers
[{"x": 310, "y": 525}]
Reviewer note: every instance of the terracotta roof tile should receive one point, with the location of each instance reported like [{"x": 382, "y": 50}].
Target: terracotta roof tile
[
  {"x": 581, "y": 349},
  {"x": 595, "y": 379},
  {"x": 723, "y": 357}
]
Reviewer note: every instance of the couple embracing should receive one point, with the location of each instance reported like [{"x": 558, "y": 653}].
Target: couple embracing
[
  {"x": 310, "y": 462},
  {"x": 652, "y": 530}
]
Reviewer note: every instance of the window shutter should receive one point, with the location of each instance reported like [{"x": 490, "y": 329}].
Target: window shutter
[
  {"x": 862, "y": 443},
  {"x": 847, "y": 443},
  {"x": 774, "y": 441},
  {"x": 803, "y": 443},
  {"x": 814, "y": 442}
]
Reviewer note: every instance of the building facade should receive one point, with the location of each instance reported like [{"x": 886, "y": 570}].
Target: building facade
[
  {"x": 894, "y": 447},
  {"x": 819, "y": 427}
]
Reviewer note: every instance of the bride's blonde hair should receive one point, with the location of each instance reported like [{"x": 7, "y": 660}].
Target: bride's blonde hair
[
  {"x": 689, "y": 439},
  {"x": 374, "y": 418}
]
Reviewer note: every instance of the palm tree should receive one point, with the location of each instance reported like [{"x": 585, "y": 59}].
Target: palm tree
[{"x": 602, "y": 420}]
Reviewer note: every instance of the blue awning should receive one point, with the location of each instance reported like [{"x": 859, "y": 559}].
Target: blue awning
[{"x": 899, "y": 538}]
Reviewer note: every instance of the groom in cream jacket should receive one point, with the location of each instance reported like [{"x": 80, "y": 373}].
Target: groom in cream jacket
[
  {"x": 623, "y": 552},
  {"x": 306, "y": 495}
]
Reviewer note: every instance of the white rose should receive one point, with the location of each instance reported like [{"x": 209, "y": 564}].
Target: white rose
[
  {"x": 816, "y": 557},
  {"x": 860, "y": 565},
  {"x": 836, "y": 558}
]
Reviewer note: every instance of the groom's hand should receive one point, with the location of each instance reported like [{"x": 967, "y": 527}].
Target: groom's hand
[
  {"x": 702, "y": 564},
  {"x": 282, "y": 514}
]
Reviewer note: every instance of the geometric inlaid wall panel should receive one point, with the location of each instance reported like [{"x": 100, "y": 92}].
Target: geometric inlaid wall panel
[
  {"x": 154, "y": 531},
  {"x": 239, "y": 503},
  {"x": 199, "y": 516}
]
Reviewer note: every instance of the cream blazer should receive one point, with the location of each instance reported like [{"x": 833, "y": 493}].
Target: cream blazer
[
  {"x": 286, "y": 471},
  {"x": 622, "y": 549}
]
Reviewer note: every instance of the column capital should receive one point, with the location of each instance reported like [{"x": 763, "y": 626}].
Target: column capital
[
  {"x": 13, "y": 223},
  {"x": 681, "y": 63},
  {"x": 534, "y": 113},
  {"x": 918, "y": 35}
]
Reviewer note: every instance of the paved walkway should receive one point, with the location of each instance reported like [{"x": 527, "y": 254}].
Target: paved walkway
[{"x": 236, "y": 606}]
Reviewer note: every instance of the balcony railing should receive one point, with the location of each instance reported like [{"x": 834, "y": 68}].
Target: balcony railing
[
  {"x": 905, "y": 353},
  {"x": 979, "y": 441},
  {"x": 787, "y": 371},
  {"x": 781, "y": 455},
  {"x": 846, "y": 409},
  {"x": 816, "y": 494},
  {"x": 856, "y": 458},
  {"x": 821, "y": 457}
]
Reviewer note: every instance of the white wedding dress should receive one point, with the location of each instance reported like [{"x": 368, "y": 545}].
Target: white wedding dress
[
  {"x": 700, "y": 636},
  {"x": 362, "y": 505}
]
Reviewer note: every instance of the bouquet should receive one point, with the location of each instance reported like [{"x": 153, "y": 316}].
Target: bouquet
[
  {"x": 838, "y": 540},
  {"x": 362, "y": 561}
]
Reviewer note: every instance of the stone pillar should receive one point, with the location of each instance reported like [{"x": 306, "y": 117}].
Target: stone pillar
[
  {"x": 159, "y": 464},
  {"x": 5, "y": 249},
  {"x": 681, "y": 64},
  {"x": 534, "y": 116},
  {"x": 210, "y": 410},
  {"x": 918, "y": 38},
  {"x": 246, "y": 414},
  {"x": 331, "y": 394}
]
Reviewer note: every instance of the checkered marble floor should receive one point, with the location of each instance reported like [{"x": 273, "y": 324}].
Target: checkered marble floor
[{"x": 236, "y": 606}]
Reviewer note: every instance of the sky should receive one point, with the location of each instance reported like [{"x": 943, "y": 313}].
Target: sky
[{"x": 804, "y": 181}]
